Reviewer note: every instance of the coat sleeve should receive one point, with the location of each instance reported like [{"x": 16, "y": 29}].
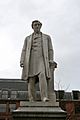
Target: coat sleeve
[
  {"x": 50, "y": 49},
  {"x": 23, "y": 52}
]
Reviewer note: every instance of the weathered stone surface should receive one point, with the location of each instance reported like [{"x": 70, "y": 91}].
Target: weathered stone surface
[
  {"x": 38, "y": 104},
  {"x": 38, "y": 111},
  {"x": 38, "y": 66}
]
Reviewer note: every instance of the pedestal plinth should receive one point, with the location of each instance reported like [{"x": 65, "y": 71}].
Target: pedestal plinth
[{"x": 38, "y": 111}]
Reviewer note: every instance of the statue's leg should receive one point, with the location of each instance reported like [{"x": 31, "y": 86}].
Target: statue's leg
[
  {"x": 43, "y": 86},
  {"x": 31, "y": 89}
]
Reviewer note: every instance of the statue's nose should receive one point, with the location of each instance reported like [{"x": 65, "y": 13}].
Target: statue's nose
[{"x": 37, "y": 26}]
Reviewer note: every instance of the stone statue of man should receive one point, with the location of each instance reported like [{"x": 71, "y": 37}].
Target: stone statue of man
[{"x": 36, "y": 57}]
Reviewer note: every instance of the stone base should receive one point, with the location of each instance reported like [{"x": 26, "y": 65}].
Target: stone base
[{"x": 38, "y": 111}]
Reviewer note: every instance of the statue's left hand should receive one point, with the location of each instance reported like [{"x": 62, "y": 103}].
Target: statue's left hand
[{"x": 51, "y": 62}]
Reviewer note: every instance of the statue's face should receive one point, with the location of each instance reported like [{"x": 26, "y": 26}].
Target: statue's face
[{"x": 36, "y": 27}]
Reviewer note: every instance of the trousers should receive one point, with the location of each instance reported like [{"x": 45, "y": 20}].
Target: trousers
[{"x": 42, "y": 86}]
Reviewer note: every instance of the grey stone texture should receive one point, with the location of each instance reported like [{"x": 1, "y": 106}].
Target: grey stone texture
[
  {"x": 38, "y": 63},
  {"x": 38, "y": 111},
  {"x": 38, "y": 66}
]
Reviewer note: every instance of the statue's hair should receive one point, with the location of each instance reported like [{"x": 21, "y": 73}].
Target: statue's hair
[{"x": 36, "y": 21}]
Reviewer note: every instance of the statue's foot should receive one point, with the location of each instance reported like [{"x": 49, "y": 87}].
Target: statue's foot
[
  {"x": 45, "y": 99},
  {"x": 31, "y": 100}
]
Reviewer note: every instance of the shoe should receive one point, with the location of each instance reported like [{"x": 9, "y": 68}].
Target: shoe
[
  {"x": 45, "y": 99},
  {"x": 31, "y": 100}
]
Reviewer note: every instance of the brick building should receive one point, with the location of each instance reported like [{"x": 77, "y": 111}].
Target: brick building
[{"x": 12, "y": 91}]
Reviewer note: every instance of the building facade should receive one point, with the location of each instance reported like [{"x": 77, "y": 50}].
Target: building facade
[{"x": 12, "y": 91}]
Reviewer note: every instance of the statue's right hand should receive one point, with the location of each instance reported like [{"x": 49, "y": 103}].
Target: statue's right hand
[{"x": 21, "y": 65}]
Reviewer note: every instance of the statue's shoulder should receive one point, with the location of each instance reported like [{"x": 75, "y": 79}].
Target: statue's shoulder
[
  {"x": 46, "y": 35},
  {"x": 28, "y": 37}
]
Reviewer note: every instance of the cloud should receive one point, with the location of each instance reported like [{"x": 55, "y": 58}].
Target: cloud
[{"x": 61, "y": 20}]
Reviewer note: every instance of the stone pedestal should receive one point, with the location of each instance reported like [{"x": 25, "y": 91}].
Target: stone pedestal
[{"x": 39, "y": 111}]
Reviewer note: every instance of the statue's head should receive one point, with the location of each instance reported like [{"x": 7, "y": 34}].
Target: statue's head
[{"x": 36, "y": 25}]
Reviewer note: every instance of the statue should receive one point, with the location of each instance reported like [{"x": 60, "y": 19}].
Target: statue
[
  {"x": 36, "y": 60},
  {"x": 38, "y": 67}
]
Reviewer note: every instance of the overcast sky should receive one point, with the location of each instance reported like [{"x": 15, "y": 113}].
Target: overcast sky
[{"x": 61, "y": 20}]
